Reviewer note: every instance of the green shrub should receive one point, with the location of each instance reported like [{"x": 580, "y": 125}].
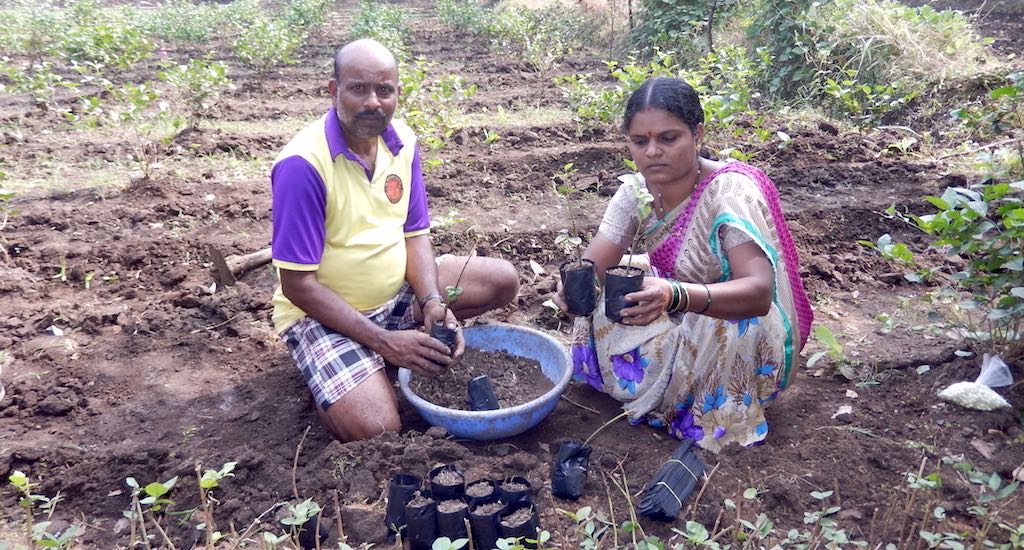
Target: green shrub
[
  {"x": 199, "y": 84},
  {"x": 30, "y": 28},
  {"x": 267, "y": 43},
  {"x": 385, "y": 24},
  {"x": 98, "y": 41},
  {"x": 38, "y": 80},
  {"x": 306, "y": 15},
  {"x": 180, "y": 21},
  {"x": 463, "y": 15},
  {"x": 867, "y": 104},
  {"x": 679, "y": 26},
  {"x": 431, "y": 106},
  {"x": 540, "y": 37}
]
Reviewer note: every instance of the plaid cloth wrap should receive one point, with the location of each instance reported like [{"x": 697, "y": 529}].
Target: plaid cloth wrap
[{"x": 333, "y": 364}]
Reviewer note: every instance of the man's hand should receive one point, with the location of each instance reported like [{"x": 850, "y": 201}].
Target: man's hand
[
  {"x": 415, "y": 351},
  {"x": 434, "y": 310},
  {"x": 652, "y": 300}
]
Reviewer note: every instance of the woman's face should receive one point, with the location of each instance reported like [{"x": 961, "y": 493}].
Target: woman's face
[{"x": 662, "y": 146}]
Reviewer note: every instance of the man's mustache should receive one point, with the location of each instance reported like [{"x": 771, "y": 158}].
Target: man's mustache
[{"x": 374, "y": 114}]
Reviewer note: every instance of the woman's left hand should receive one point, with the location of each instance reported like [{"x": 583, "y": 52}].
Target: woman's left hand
[{"x": 653, "y": 300}]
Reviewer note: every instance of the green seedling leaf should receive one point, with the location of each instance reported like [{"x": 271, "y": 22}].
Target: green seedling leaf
[
  {"x": 923, "y": 369},
  {"x": 750, "y": 493},
  {"x": 821, "y": 495}
]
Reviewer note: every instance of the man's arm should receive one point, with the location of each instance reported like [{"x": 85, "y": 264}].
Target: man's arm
[{"x": 404, "y": 348}]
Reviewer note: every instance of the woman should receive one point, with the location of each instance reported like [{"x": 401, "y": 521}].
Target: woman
[{"x": 718, "y": 324}]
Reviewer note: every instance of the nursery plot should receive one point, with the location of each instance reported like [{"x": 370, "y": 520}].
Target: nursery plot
[{"x": 128, "y": 361}]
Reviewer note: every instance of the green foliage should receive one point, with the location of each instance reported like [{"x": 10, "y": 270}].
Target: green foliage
[
  {"x": 540, "y": 37},
  {"x": 866, "y": 104},
  {"x": 588, "y": 528},
  {"x": 780, "y": 26},
  {"x": 36, "y": 504},
  {"x": 306, "y": 15},
  {"x": 211, "y": 478},
  {"x": 384, "y": 23},
  {"x": 431, "y": 106},
  {"x": 572, "y": 242},
  {"x": 38, "y": 80},
  {"x": 1002, "y": 113},
  {"x": 463, "y": 15},
  {"x": 98, "y": 42},
  {"x": 138, "y": 113},
  {"x": 267, "y": 43},
  {"x": 199, "y": 84},
  {"x": 984, "y": 225},
  {"x": 603, "y": 106},
  {"x": 30, "y": 28},
  {"x": 180, "y": 21},
  {"x": 901, "y": 254},
  {"x": 833, "y": 349},
  {"x": 679, "y": 26},
  {"x": 445, "y": 543}
]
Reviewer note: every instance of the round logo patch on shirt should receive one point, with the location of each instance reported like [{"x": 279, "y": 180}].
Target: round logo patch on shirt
[{"x": 393, "y": 188}]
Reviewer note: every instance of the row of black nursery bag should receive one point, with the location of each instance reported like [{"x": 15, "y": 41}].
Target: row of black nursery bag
[{"x": 494, "y": 509}]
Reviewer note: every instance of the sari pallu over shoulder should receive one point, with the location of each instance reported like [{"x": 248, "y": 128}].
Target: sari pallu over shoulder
[{"x": 666, "y": 253}]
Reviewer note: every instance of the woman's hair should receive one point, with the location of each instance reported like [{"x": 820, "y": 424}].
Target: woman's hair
[{"x": 669, "y": 94}]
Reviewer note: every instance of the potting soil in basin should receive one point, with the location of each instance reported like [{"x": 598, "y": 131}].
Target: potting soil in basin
[{"x": 516, "y": 380}]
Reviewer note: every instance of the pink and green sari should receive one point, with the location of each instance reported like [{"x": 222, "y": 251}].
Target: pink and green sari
[{"x": 701, "y": 377}]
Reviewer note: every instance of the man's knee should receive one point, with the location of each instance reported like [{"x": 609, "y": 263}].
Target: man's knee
[
  {"x": 360, "y": 426},
  {"x": 505, "y": 283}
]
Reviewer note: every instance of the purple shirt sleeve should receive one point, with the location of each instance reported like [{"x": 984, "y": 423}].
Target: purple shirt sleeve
[
  {"x": 418, "y": 217},
  {"x": 299, "y": 211}
]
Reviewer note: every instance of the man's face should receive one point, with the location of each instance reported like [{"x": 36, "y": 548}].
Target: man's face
[{"x": 365, "y": 94}]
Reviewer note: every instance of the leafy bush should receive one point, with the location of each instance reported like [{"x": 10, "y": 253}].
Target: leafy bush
[
  {"x": 680, "y": 26},
  {"x": 30, "y": 27},
  {"x": 199, "y": 84},
  {"x": 385, "y": 24},
  {"x": 180, "y": 21},
  {"x": 267, "y": 43},
  {"x": 463, "y": 15},
  {"x": 430, "y": 108},
  {"x": 866, "y": 104},
  {"x": 306, "y": 15},
  {"x": 541, "y": 37},
  {"x": 98, "y": 46},
  {"x": 37, "y": 80},
  {"x": 1002, "y": 113}
]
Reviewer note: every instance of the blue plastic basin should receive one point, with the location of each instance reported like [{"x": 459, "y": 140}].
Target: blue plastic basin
[{"x": 487, "y": 425}]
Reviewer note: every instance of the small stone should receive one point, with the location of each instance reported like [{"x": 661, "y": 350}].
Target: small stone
[
  {"x": 437, "y": 432},
  {"x": 503, "y": 449}
]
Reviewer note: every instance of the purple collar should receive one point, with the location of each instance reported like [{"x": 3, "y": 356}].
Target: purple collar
[{"x": 338, "y": 146}]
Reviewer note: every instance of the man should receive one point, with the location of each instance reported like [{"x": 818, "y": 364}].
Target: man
[{"x": 351, "y": 244}]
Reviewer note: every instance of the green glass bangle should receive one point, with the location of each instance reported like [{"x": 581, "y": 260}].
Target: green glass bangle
[{"x": 708, "y": 303}]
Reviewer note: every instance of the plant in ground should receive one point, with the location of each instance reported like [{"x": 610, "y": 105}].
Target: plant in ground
[
  {"x": 38, "y": 80},
  {"x": 463, "y": 15},
  {"x": 431, "y": 107},
  {"x": 199, "y": 84},
  {"x": 540, "y": 37},
  {"x": 384, "y": 23},
  {"x": 306, "y": 15},
  {"x": 136, "y": 111},
  {"x": 866, "y": 104},
  {"x": 99, "y": 42},
  {"x": 179, "y": 21},
  {"x": 267, "y": 43},
  {"x": 570, "y": 242},
  {"x": 36, "y": 533}
]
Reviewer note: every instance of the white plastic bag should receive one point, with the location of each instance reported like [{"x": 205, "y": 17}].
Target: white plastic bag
[{"x": 979, "y": 395}]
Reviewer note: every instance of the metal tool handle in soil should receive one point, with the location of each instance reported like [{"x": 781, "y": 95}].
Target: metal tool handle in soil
[
  {"x": 400, "y": 492},
  {"x": 481, "y": 394},
  {"x": 618, "y": 282},
  {"x": 421, "y": 523},
  {"x": 578, "y": 286},
  {"x": 443, "y": 491}
]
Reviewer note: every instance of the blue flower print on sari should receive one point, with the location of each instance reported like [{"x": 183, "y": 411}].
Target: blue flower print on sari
[
  {"x": 713, "y": 399},
  {"x": 683, "y": 426},
  {"x": 629, "y": 368},
  {"x": 766, "y": 369},
  {"x": 743, "y": 324},
  {"x": 585, "y": 368}
]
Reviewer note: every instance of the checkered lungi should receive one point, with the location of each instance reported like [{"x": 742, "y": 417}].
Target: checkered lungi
[{"x": 333, "y": 364}]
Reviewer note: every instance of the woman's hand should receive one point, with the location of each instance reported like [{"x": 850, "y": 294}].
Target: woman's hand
[
  {"x": 559, "y": 297},
  {"x": 653, "y": 300}
]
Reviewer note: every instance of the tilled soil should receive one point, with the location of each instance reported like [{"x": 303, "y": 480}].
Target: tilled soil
[
  {"x": 516, "y": 380},
  {"x": 130, "y": 362}
]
